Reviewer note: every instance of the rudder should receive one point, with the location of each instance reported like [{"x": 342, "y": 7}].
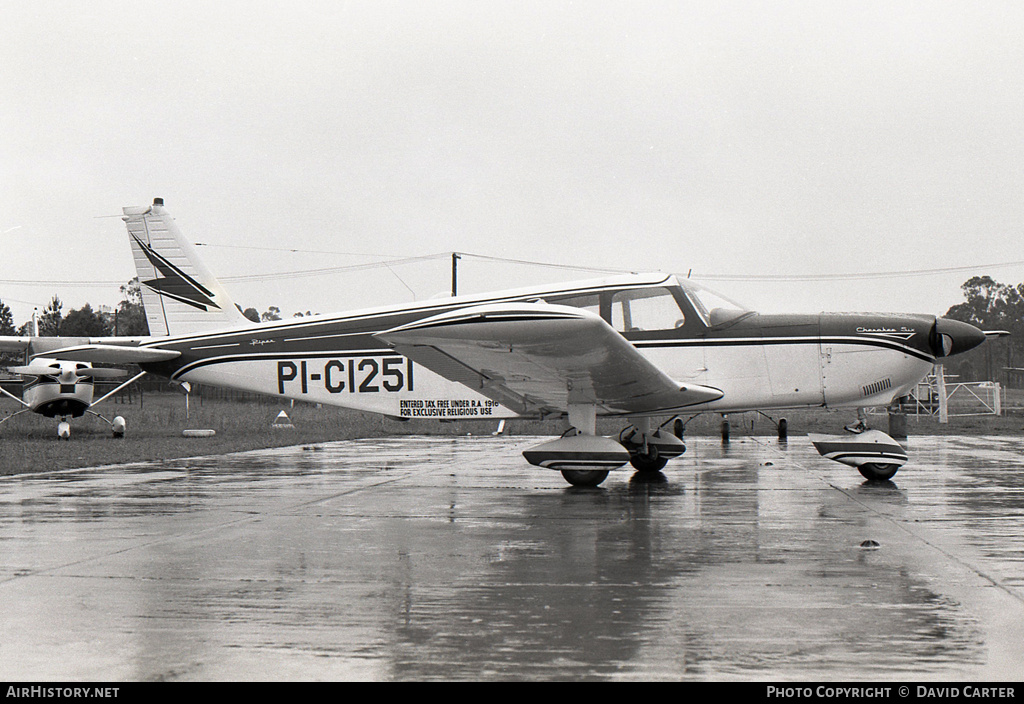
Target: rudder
[{"x": 179, "y": 294}]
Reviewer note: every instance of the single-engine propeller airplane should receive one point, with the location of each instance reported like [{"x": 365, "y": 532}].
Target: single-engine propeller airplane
[
  {"x": 61, "y": 388},
  {"x": 643, "y": 348},
  {"x": 64, "y": 389}
]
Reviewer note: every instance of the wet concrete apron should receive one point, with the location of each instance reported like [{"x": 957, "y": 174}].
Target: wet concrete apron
[{"x": 439, "y": 558}]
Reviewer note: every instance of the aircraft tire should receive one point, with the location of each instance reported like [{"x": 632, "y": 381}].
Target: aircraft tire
[
  {"x": 877, "y": 471},
  {"x": 648, "y": 463},
  {"x": 585, "y": 477}
]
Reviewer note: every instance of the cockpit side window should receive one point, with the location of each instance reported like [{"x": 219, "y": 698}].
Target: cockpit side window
[{"x": 646, "y": 309}]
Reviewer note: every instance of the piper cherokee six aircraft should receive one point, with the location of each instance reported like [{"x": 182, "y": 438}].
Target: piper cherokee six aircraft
[{"x": 638, "y": 347}]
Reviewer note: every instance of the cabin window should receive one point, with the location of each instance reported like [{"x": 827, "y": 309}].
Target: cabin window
[
  {"x": 646, "y": 309},
  {"x": 590, "y": 302}
]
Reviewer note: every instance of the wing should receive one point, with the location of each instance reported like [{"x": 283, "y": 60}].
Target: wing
[
  {"x": 540, "y": 358},
  {"x": 40, "y": 345},
  {"x": 9, "y": 343},
  {"x": 113, "y": 354}
]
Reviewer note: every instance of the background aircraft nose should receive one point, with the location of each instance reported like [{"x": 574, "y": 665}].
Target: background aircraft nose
[{"x": 951, "y": 337}]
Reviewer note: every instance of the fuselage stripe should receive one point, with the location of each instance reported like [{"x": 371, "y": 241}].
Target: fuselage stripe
[{"x": 757, "y": 342}]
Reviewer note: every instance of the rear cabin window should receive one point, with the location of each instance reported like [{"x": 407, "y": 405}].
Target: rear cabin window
[
  {"x": 590, "y": 302},
  {"x": 646, "y": 309}
]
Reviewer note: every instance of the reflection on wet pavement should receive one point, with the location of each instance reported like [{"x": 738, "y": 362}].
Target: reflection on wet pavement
[{"x": 438, "y": 558}]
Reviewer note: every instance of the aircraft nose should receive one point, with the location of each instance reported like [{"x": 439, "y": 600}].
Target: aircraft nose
[{"x": 951, "y": 337}]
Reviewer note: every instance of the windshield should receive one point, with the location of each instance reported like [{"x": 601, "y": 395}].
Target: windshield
[{"x": 715, "y": 308}]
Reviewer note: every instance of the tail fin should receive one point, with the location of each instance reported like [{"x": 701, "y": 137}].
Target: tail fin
[{"x": 179, "y": 293}]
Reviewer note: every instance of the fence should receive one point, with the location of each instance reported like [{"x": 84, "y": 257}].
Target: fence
[{"x": 938, "y": 396}]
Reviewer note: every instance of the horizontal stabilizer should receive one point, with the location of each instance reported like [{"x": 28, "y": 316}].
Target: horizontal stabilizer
[{"x": 113, "y": 354}]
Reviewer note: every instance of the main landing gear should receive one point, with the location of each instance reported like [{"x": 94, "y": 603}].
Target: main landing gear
[
  {"x": 585, "y": 477},
  {"x": 651, "y": 451},
  {"x": 118, "y": 426},
  {"x": 584, "y": 459}
]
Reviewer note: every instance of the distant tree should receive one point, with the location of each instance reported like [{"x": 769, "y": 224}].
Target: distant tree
[
  {"x": 300, "y": 314},
  {"x": 7, "y": 328},
  {"x": 130, "y": 319},
  {"x": 273, "y": 313},
  {"x": 83, "y": 322},
  {"x": 6, "y": 320},
  {"x": 989, "y": 305},
  {"x": 49, "y": 321}
]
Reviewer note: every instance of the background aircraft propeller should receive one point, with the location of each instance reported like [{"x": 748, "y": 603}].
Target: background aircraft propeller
[
  {"x": 101, "y": 373},
  {"x": 43, "y": 370},
  {"x": 36, "y": 370}
]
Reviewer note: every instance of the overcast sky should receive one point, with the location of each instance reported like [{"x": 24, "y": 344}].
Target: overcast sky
[{"x": 836, "y": 140}]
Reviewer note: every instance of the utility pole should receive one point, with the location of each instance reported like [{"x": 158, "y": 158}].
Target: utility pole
[{"x": 455, "y": 274}]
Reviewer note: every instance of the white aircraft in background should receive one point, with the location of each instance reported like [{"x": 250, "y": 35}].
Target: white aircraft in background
[
  {"x": 643, "y": 348},
  {"x": 64, "y": 389},
  {"x": 60, "y": 388}
]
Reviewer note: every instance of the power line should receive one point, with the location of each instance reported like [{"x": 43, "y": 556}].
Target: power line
[
  {"x": 852, "y": 277},
  {"x": 571, "y": 267},
  {"x": 61, "y": 283},
  {"x": 331, "y": 270},
  {"x": 287, "y": 249},
  {"x": 388, "y": 263}
]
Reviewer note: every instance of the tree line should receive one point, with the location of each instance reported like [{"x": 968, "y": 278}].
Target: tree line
[
  {"x": 128, "y": 319},
  {"x": 991, "y": 305}
]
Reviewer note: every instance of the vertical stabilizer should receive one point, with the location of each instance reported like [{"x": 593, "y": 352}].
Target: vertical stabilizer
[{"x": 179, "y": 294}]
